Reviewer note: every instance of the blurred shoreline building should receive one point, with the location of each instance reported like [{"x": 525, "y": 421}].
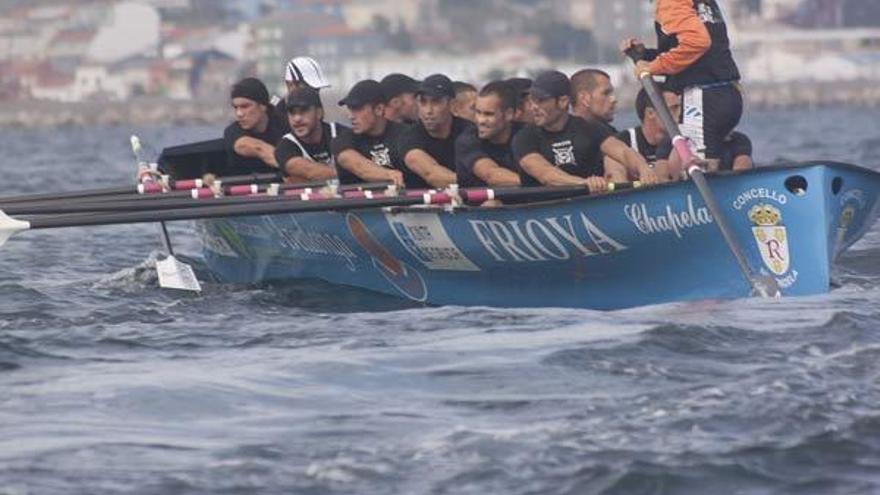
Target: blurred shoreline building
[{"x": 185, "y": 49}]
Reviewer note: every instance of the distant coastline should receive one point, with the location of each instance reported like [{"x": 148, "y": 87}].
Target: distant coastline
[{"x": 215, "y": 111}]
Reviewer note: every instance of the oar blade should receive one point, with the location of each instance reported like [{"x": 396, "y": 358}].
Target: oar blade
[
  {"x": 175, "y": 274},
  {"x": 9, "y": 226}
]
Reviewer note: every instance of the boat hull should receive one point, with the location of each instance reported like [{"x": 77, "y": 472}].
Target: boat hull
[{"x": 620, "y": 250}]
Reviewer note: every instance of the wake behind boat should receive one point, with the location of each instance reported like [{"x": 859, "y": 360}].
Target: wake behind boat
[{"x": 617, "y": 250}]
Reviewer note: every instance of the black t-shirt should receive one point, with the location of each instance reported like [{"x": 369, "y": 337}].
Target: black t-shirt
[
  {"x": 646, "y": 149},
  {"x": 320, "y": 152},
  {"x": 575, "y": 149},
  {"x": 607, "y": 125},
  {"x": 469, "y": 148},
  {"x": 239, "y": 165},
  {"x": 441, "y": 150},
  {"x": 735, "y": 145},
  {"x": 382, "y": 150}
]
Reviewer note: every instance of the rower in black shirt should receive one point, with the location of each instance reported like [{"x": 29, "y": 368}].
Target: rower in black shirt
[
  {"x": 483, "y": 155},
  {"x": 400, "y": 98},
  {"x": 250, "y": 140},
  {"x": 304, "y": 153},
  {"x": 736, "y": 153},
  {"x": 561, "y": 149},
  {"x": 428, "y": 148},
  {"x": 368, "y": 152},
  {"x": 463, "y": 106},
  {"x": 593, "y": 97},
  {"x": 522, "y": 85},
  {"x": 647, "y": 137}
]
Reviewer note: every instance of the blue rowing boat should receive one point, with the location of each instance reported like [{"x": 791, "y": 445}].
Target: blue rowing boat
[{"x": 618, "y": 250}]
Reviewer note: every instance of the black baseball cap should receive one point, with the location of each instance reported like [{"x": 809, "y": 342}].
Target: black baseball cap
[
  {"x": 550, "y": 84},
  {"x": 302, "y": 97},
  {"x": 437, "y": 86},
  {"x": 398, "y": 84},
  {"x": 363, "y": 93}
]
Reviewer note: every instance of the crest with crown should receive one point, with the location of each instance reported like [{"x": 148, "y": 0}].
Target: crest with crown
[{"x": 763, "y": 215}]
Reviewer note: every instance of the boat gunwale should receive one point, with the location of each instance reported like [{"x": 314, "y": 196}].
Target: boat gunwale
[{"x": 620, "y": 192}]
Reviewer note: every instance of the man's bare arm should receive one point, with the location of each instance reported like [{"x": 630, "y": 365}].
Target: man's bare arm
[
  {"x": 615, "y": 171},
  {"x": 495, "y": 175},
  {"x": 254, "y": 148},
  {"x": 538, "y": 167},
  {"x": 635, "y": 163},
  {"x": 743, "y": 162},
  {"x": 301, "y": 169},
  {"x": 364, "y": 168},
  {"x": 427, "y": 168}
]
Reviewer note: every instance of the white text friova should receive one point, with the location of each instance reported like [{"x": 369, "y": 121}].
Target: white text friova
[
  {"x": 669, "y": 220},
  {"x": 543, "y": 239}
]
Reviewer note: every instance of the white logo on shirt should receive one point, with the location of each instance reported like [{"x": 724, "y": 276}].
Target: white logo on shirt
[
  {"x": 707, "y": 14},
  {"x": 563, "y": 153},
  {"x": 381, "y": 156}
]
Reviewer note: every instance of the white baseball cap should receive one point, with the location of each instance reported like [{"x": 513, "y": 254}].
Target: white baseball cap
[{"x": 307, "y": 70}]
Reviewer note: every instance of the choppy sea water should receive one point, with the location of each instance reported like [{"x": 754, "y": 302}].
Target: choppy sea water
[{"x": 109, "y": 385}]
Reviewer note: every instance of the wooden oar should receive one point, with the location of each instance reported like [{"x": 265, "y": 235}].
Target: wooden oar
[
  {"x": 173, "y": 273},
  {"x": 763, "y": 285},
  {"x": 173, "y": 200},
  {"x": 179, "y": 187},
  {"x": 274, "y": 205},
  {"x": 543, "y": 193},
  {"x": 268, "y": 205}
]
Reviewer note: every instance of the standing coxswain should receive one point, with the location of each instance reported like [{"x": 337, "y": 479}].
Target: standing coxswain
[{"x": 693, "y": 52}]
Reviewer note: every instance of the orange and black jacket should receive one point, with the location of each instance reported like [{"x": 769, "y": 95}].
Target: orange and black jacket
[{"x": 692, "y": 44}]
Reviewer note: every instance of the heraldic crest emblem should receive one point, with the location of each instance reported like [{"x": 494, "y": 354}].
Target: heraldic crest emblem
[{"x": 771, "y": 237}]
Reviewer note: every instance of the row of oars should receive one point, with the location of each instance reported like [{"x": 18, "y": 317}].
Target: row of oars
[{"x": 164, "y": 199}]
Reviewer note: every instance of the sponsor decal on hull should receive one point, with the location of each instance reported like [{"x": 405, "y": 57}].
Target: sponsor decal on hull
[
  {"x": 222, "y": 235},
  {"x": 852, "y": 202},
  {"x": 672, "y": 220},
  {"x": 305, "y": 243},
  {"x": 403, "y": 277},
  {"x": 423, "y": 235},
  {"x": 543, "y": 239},
  {"x": 212, "y": 240}
]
